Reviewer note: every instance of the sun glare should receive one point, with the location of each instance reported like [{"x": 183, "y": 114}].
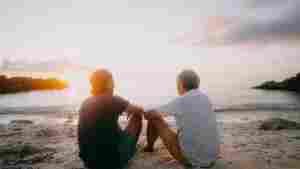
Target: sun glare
[{"x": 76, "y": 79}]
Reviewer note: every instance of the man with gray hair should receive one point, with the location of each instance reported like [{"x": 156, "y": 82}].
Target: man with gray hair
[{"x": 196, "y": 143}]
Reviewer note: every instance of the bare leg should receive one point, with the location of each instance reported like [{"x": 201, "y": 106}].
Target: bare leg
[
  {"x": 159, "y": 127},
  {"x": 152, "y": 136},
  {"x": 134, "y": 126}
]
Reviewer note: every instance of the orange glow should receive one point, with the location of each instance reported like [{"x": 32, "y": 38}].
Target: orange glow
[{"x": 76, "y": 79}]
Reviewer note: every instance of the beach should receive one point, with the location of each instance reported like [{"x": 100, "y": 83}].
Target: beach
[
  {"x": 38, "y": 130},
  {"x": 48, "y": 141},
  {"x": 244, "y": 56}
]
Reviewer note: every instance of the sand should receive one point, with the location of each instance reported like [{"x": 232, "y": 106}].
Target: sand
[{"x": 52, "y": 144}]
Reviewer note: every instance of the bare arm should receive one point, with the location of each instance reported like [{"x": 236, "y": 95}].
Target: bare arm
[
  {"x": 171, "y": 108},
  {"x": 132, "y": 109}
]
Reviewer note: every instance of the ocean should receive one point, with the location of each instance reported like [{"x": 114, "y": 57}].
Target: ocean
[{"x": 228, "y": 93}]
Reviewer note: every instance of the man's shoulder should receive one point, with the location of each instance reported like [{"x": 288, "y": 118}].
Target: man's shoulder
[
  {"x": 117, "y": 97},
  {"x": 194, "y": 93},
  {"x": 203, "y": 94},
  {"x": 200, "y": 93},
  {"x": 120, "y": 100},
  {"x": 91, "y": 101},
  {"x": 197, "y": 95}
]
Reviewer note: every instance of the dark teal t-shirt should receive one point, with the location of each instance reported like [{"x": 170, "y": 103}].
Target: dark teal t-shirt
[{"x": 99, "y": 132}]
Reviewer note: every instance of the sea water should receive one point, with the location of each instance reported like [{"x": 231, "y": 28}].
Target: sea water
[{"x": 228, "y": 93}]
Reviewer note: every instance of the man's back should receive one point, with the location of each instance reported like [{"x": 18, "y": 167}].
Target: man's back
[
  {"x": 197, "y": 126},
  {"x": 98, "y": 132},
  {"x": 198, "y": 135}
]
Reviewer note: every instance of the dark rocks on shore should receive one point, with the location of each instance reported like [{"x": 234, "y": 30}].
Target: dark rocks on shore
[
  {"x": 22, "y": 84},
  {"x": 24, "y": 153},
  {"x": 47, "y": 132},
  {"x": 278, "y": 124},
  {"x": 24, "y": 122},
  {"x": 290, "y": 84}
]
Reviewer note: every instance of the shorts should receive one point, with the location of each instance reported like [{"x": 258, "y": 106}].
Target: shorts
[{"x": 127, "y": 148}]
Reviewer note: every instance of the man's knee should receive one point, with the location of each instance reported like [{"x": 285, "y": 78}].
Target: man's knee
[
  {"x": 153, "y": 116},
  {"x": 159, "y": 122}
]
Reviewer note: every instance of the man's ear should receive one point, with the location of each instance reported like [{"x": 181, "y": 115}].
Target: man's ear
[{"x": 180, "y": 88}]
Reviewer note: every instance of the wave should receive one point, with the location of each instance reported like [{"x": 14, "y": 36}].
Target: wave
[
  {"x": 39, "y": 110},
  {"x": 74, "y": 108},
  {"x": 259, "y": 107}
]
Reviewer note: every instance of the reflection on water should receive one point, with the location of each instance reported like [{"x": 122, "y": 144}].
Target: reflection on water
[
  {"x": 228, "y": 91},
  {"x": 224, "y": 100}
]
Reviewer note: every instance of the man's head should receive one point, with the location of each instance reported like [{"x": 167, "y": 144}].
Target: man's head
[
  {"x": 102, "y": 82},
  {"x": 187, "y": 80}
]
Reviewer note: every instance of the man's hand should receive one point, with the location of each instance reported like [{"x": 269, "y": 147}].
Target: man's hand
[
  {"x": 153, "y": 114},
  {"x": 164, "y": 114}
]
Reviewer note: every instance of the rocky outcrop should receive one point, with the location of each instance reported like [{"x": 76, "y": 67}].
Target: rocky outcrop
[
  {"x": 13, "y": 155},
  {"x": 22, "y": 84},
  {"x": 24, "y": 122},
  {"x": 279, "y": 124},
  {"x": 290, "y": 84}
]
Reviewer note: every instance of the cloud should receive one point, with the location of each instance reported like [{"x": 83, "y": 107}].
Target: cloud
[
  {"x": 267, "y": 20},
  {"x": 39, "y": 60},
  {"x": 256, "y": 22},
  {"x": 52, "y": 65},
  {"x": 10, "y": 64}
]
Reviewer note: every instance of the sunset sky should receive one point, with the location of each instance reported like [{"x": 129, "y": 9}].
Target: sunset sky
[{"x": 138, "y": 35}]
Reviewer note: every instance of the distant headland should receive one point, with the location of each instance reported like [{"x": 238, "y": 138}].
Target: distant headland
[
  {"x": 289, "y": 84},
  {"x": 23, "y": 84}
]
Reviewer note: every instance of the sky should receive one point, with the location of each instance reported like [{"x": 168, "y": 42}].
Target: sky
[{"x": 141, "y": 35}]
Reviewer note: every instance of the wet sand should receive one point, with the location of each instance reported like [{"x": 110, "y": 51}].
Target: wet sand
[{"x": 50, "y": 142}]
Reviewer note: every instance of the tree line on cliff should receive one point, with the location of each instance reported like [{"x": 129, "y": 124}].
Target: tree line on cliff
[
  {"x": 22, "y": 84},
  {"x": 289, "y": 84}
]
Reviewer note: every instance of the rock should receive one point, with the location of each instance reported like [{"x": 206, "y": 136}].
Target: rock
[
  {"x": 245, "y": 119},
  {"x": 9, "y": 134},
  {"x": 36, "y": 158},
  {"x": 286, "y": 163},
  {"x": 290, "y": 84},
  {"x": 23, "y": 122},
  {"x": 71, "y": 133},
  {"x": 19, "y": 150},
  {"x": 24, "y": 154},
  {"x": 278, "y": 124},
  {"x": 18, "y": 167},
  {"x": 296, "y": 137},
  {"x": 47, "y": 132},
  {"x": 70, "y": 118},
  {"x": 294, "y": 156}
]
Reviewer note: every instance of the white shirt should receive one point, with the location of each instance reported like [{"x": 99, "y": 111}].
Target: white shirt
[{"x": 197, "y": 126}]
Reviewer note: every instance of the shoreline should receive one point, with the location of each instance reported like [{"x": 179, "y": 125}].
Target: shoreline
[
  {"x": 225, "y": 109},
  {"x": 43, "y": 115}
]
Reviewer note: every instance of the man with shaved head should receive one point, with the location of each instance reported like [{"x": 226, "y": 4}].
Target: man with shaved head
[
  {"x": 102, "y": 143},
  {"x": 196, "y": 143}
]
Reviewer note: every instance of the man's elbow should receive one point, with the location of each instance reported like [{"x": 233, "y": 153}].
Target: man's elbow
[{"x": 132, "y": 109}]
